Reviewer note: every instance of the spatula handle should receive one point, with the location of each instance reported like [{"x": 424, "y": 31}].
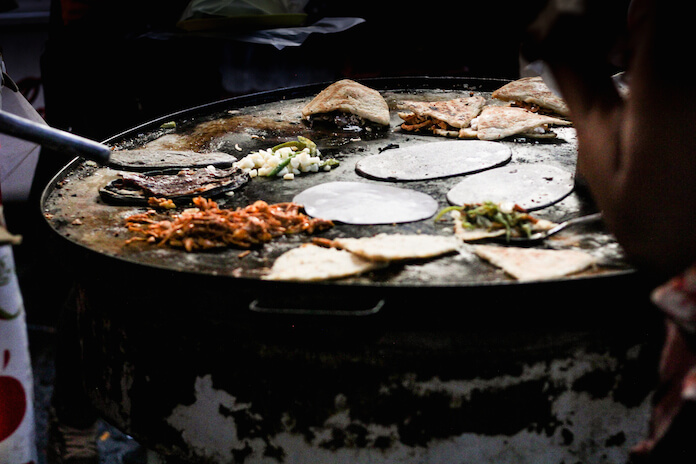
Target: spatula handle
[{"x": 52, "y": 138}]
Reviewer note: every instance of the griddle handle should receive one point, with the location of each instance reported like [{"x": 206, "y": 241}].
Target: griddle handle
[
  {"x": 257, "y": 307},
  {"x": 52, "y": 138}
]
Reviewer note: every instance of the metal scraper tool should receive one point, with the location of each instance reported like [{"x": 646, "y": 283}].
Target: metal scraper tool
[{"x": 53, "y": 138}]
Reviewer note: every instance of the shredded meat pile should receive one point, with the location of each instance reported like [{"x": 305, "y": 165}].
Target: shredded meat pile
[{"x": 208, "y": 226}]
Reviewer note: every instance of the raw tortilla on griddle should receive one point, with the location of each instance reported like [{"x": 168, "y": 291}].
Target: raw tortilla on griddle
[
  {"x": 169, "y": 151},
  {"x": 434, "y": 160},
  {"x": 146, "y": 159},
  {"x": 366, "y": 203},
  {"x": 531, "y": 186}
]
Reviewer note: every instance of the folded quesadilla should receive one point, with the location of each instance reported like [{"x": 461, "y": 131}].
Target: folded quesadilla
[
  {"x": 532, "y": 93},
  {"x": 315, "y": 263},
  {"x": 527, "y": 264},
  {"x": 343, "y": 257},
  {"x": 499, "y": 122},
  {"x": 348, "y": 103},
  {"x": 397, "y": 247},
  {"x": 444, "y": 117}
]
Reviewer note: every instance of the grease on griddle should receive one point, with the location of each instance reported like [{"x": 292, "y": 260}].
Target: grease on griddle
[{"x": 213, "y": 134}]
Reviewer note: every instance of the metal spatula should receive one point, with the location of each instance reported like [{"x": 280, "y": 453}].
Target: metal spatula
[
  {"x": 52, "y": 138},
  {"x": 543, "y": 235}
]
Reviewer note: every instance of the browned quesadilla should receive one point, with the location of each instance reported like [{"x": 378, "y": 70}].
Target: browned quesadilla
[
  {"x": 532, "y": 93},
  {"x": 444, "y": 118},
  {"x": 499, "y": 122},
  {"x": 348, "y": 103},
  {"x": 527, "y": 264}
]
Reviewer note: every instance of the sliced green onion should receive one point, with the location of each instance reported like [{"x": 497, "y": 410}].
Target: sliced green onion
[
  {"x": 445, "y": 211},
  {"x": 280, "y": 167}
]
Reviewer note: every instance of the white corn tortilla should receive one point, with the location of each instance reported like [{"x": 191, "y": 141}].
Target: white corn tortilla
[
  {"x": 434, "y": 160},
  {"x": 527, "y": 264},
  {"x": 154, "y": 159},
  {"x": 366, "y": 203},
  {"x": 531, "y": 186}
]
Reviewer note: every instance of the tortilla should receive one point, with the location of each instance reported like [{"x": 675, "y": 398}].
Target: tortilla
[
  {"x": 391, "y": 247},
  {"x": 366, "y": 203},
  {"x": 348, "y": 96},
  {"x": 314, "y": 263},
  {"x": 530, "y": 186},
  {"x": 457, "y": 112},
  {"x": 527, "y": 264},
  {"x": 146, "y": 159},
  {"x": 532, "y": 91},
  {"x": 498, "y": 122},
  {"x": 434, "y": 160}
]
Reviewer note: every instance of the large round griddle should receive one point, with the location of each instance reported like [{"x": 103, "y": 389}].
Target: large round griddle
[{"x": 88, "y": 227}]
